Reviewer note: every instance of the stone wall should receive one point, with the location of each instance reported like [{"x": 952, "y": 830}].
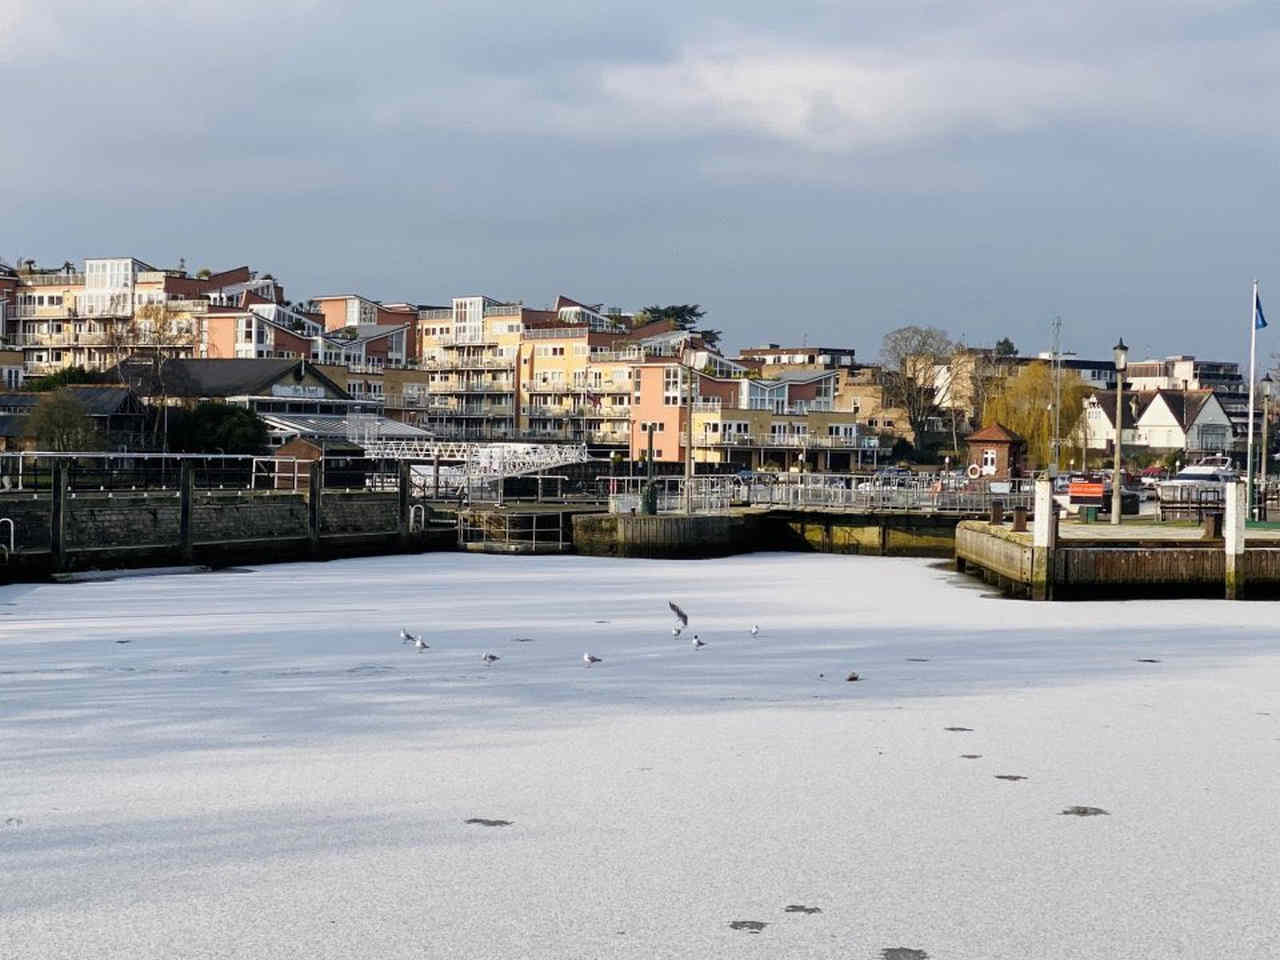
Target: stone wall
[
  {"x": 217, "y": 517},
  {"x": 226, "y": 527},
  {"x": 133, "y": 520},
  {"x": 359, "y": 513},
  {"x": 30, "y": 515}
]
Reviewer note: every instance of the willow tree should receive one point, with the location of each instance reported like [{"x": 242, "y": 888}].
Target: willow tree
[{"x": 1024, "y": 403}]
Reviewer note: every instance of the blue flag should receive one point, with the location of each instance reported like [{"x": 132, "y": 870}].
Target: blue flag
[{"x": 1259, "y": 319}]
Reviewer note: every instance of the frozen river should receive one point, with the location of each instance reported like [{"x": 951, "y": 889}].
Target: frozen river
[{"x": 250, "y": 764}]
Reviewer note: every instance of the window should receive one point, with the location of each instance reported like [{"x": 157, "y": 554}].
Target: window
[{"x": 988, "y": 459}]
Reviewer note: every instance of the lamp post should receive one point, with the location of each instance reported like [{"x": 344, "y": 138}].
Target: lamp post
[
  {"x": 1121, "y": 353},
  {"x": 1260, "y": 511},
  {"x": 688, "y": 445}
]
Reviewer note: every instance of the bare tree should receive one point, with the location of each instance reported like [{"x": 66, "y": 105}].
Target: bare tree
[
  {"x": 911, "y": 357},
  {"x": 59, "y": 422}
]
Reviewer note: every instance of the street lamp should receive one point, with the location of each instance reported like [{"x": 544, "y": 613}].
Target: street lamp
[
  {"x": 1261, "y": 508},
  {"x": 1121, "y": 353}
]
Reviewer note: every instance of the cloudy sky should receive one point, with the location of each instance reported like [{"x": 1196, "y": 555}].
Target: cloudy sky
[{"x": 817, "y": 170}]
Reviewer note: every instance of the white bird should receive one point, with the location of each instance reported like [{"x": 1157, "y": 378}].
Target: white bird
[
  {"x": 696, "y": 643},
  {"x": 420, "y": 643},
  {"x": 490, "y": 659},
  {"x": 676, "y": 630},
  {"x": 755, "y": 630},
  {"x": 680, "y": 614},
  {"x": 588, "y": 659},
  {"x": 406, "y": 636}
]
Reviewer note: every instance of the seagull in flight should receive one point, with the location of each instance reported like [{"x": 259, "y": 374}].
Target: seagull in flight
[
  {"x": 490, "y": 659},
  {"x": 420, "y": 643},
  {"x": 755, "y": 629},
  {"x": 680, "y": 614},
  {"x": 676, "y": 630},
  {"x": 696, "y": 643},
  {"x": 588, "y": 659},
  {"x": 406, "y": 636}
]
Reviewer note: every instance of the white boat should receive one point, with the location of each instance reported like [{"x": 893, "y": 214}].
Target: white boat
[{"x": 1197, "y": 487}]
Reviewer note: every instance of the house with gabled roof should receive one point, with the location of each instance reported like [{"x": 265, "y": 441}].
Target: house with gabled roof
[{"x": 1192, "y": 420}]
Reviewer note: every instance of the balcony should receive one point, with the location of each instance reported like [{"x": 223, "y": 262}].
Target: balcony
[
  {"x": 51, "y": 279},
  {"x": 557, "y": 333},
  {"x": 470, "y": 388},
  {"x": 479, "y": 363},
  {"x": 65, "y": 339},
  {"x": 789, "y": 441}
]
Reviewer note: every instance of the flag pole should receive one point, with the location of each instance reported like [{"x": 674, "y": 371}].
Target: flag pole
[{"x": 1253, "y": 345}]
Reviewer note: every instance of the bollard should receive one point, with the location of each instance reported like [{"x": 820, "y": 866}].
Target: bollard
[
  {"x": 1211, "y": 527},
  {"x": 1019, "y": 519},
  {"x": 997, "y": 512}
]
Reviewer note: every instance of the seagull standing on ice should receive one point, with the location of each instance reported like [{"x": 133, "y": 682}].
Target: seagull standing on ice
[
  {"x": 755, "y": 630},
  {"x": 490, "y": 659},
  {"x": 588, "y": 659},
  {"x": 696, "y": 643}
]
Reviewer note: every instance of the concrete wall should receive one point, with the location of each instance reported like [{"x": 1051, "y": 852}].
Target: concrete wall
[
  {"x": 882, "y": 536},
  {"x": 629, "y": 535}
]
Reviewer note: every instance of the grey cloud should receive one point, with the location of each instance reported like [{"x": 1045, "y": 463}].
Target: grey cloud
[{"x": 973, "y": 164}]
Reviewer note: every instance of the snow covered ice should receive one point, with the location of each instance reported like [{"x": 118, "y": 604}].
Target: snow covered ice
[{"x": 266, "y": 770}]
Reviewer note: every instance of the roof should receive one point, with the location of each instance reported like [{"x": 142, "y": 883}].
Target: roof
[
  {"x": 1135, "y": 405},
  {"x": 324, "y": 426},
  {"x": 996, "y": 433},
  {"x": 794, "y": 376},
  {"x": 98, "y": 400},
  {"x": 226, "y": 378},
  {"x": 13, "y": 425}
]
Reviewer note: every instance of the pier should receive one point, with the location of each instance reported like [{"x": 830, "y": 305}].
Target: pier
[{"x": 1054, "y": 561}]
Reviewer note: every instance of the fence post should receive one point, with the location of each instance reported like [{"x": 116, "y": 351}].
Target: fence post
[
  {"x": 186, "y": 496},
  {"x": 57, "y": 515},
  {"x": 315, "y": 488},
  {"x": 1233, "y": 539},
  {"x": 404, "y": 472}
]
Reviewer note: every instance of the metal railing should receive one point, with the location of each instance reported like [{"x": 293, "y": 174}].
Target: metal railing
[
  {"x": 50, "y": 279},
  {"x": 828, "y": 491},
  {"x": 141, "y": 472},
  {"x": 797, "y": 441},
  {"x": 518, "y": 532}
]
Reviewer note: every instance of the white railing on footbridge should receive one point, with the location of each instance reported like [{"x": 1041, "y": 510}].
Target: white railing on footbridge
[
  {"x": 860, "y": 493},
  {"x": 451, "y": 466}
]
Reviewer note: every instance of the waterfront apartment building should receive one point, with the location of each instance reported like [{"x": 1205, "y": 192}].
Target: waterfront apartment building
[
  {"x": 469, "y": 352},
  {"x": 113, "y": 308},
  {"x": 795, "y": 417}
]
